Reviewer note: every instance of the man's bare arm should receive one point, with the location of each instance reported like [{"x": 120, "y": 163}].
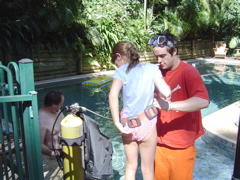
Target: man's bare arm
[{"x": 189, "y": 105}]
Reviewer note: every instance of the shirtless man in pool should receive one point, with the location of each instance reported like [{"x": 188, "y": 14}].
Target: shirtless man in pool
[{"x": 47, "y": 115}]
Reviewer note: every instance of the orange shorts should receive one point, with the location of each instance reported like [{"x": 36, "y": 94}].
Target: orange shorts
[{"x": 174, "y": 164}]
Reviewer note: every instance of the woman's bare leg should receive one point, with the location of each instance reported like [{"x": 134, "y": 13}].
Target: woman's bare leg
[
  {"x": 131, "y": 150},
  {"x": 147, "y": 152}
]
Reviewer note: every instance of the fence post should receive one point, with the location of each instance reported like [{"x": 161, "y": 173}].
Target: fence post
[
  {"x": 30, "y": 120},
  {"x": 193, "y": 49},
  {"x": 236, "y": 169}
]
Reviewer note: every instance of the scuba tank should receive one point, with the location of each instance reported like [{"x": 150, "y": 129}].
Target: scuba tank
[{"x": 87, "y": 152}]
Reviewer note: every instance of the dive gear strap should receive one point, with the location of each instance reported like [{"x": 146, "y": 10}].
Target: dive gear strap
[{"x": 150, "y": 112}]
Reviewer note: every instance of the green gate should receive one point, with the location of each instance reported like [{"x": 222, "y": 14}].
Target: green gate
[{"x": 20, "y": 150}]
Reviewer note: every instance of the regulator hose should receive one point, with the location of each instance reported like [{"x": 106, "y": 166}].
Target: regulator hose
[
  {"x": 85, "y": 109},
  {"x": 59, "y": 159}
]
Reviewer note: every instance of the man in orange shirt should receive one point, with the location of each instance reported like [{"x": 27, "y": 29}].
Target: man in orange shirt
[{"x": 179, "y": 120}]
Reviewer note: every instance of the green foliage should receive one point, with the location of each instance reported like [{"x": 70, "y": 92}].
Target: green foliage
[
  {"x": 234, "y": 42},
  {"x": 27, "y": 26},
  {"x": 119, "y": 20},
  {"x": 94, "y": 26},
  {"x": 225, "y": 20},
  {"x": 16, "y": 30},
  {"x": 190, "y": 19}
]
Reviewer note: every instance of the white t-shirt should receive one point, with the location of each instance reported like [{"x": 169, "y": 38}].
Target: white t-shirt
[{"x": 138, "y": 87}]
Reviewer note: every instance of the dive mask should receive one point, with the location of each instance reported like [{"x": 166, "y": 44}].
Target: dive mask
[{"x": 160, "y": 41}]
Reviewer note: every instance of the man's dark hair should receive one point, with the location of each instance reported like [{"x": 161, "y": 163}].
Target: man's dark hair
[{"x": 53, "y": 97}]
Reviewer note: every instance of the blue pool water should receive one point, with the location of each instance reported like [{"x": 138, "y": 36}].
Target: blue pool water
[
  {"x": 211, "y": 164},
  {"x": 222, "y": 82}
]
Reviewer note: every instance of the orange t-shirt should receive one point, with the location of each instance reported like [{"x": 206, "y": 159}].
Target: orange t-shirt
[{"x": 180, "y": 129}]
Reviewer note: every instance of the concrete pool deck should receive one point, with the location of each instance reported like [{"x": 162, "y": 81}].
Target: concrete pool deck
[{"x": 220, "y": 128}]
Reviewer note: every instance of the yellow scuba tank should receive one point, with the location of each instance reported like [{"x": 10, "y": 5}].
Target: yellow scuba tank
[{"x": 71, "y": 131}]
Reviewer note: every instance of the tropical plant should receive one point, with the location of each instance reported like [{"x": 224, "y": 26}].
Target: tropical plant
[
  {"x": 27, "y": 26},
  {"x": 224, "y": 18},
  {"x": 192, "y": 19},
  {"x": 78, "y": 26},
  {"x": 119, "y": 20},
  {"x": 16, "y": 30}
]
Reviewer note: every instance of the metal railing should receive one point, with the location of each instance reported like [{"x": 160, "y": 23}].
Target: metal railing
[{"x": 20, "y": 150}]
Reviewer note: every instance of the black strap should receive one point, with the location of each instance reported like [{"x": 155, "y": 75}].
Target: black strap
[{"x": 72, "y": 142}]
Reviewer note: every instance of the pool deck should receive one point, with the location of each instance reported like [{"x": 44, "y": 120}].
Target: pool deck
[{"x": 220, "y": 127}]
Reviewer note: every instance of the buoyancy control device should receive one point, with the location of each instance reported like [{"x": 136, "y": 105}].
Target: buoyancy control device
[{"x": 98, "y": 150}]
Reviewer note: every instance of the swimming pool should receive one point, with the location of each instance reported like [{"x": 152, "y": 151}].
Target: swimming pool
[
  {"x": 222, "y": 82},
  {"x": 223, "y": 86}
]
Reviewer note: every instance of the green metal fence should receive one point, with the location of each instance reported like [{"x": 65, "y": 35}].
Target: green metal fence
[{"x": 20, "y": 150}]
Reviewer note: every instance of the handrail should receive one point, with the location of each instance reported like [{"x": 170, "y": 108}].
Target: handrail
[
  {"x": 10, "y": 79},
  {"x": 21, "y": 153},
  {"x": 15, "y": 66},
  {"x": 16, "y": 98}
]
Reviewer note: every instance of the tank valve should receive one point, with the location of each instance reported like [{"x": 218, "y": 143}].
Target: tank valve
[{"x": 74, "y": 108}]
